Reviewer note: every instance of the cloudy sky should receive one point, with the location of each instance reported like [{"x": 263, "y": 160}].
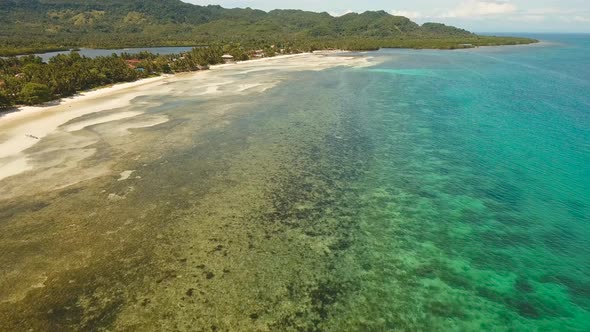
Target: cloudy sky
[{"x": 475, "y": 15}]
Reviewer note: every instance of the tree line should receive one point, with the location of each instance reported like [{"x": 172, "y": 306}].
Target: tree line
[{"x": 28, "y": 80}]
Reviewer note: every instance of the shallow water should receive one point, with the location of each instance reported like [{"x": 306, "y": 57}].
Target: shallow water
[{"x": 432, "y": 191}]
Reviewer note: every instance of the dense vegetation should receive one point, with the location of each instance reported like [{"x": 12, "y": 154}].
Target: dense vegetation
[
  {"x": 28, "y": 26},
  {"x": 27, "y": 80}
]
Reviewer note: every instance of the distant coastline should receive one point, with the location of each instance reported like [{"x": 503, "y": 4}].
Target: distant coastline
[
  {"x": 238, "y": 53},
  {"x": 440, "y": 44}
]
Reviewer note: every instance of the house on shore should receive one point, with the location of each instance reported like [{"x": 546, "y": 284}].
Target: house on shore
[
  {"x": 228, "y": 58},
  {"x": 258, "y": 54},
  {"x": 132, "y": 63}
]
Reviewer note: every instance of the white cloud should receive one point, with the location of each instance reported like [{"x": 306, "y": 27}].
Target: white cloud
[
  {"x": 409, "y": 14},
  {"x": 549, "y": 11},
  {"x": 336, "y": 14},
  {"x": 581, "y": 19},
  {"x": 529, "y": 18},
  {"x": 552, "y": 14},
  {"x": 474, "y": 8}
]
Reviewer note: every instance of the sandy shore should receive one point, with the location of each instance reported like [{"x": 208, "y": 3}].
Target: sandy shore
[
  {"x": 24, "y": 129},
  {"x": 24, "y": 113},
  {"x": 29, "y": 114}
]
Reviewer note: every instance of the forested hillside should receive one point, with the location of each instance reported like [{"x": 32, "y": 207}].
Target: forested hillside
[
  {"x": 33, "y": 25},
  {"x": 28, "y": 80}
]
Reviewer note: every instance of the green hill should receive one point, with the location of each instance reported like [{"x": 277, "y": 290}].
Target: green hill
[{"x": 28, "y": 25}]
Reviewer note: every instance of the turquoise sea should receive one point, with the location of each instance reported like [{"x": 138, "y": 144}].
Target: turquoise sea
[
  {"x": 480, "y": 205},
  {"x": 430, "y": 191}
]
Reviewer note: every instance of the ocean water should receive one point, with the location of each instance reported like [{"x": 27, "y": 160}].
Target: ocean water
[
  {"x": 480, "y": 187},
  {"x": 431, "y": 191}
]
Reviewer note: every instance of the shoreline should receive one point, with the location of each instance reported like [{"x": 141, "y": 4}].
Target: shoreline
[
  {"x": 19, "y": 112},
  {"x": 24, "y": 111},
  {"x": 23, "y": 129}
]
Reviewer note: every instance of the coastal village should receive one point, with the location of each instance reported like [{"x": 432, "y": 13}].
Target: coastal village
[{"x": 135, "y": 63}]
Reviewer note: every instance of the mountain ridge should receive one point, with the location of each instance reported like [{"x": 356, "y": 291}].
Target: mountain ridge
[{"x": 126, "y": 23}]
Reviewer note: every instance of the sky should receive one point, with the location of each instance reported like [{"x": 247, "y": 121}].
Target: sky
[{"x": 474, "y": 15}]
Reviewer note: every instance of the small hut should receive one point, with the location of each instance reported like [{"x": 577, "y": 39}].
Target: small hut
[
  {"x": 227, "y": 58},
  {"x": 132, "y": 63}
]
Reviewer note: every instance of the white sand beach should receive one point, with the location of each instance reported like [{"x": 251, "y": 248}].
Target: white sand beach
[{"x": 23, "y": 129}]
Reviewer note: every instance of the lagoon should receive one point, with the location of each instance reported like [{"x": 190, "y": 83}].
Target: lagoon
[{"x": 93, "y": 53}]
